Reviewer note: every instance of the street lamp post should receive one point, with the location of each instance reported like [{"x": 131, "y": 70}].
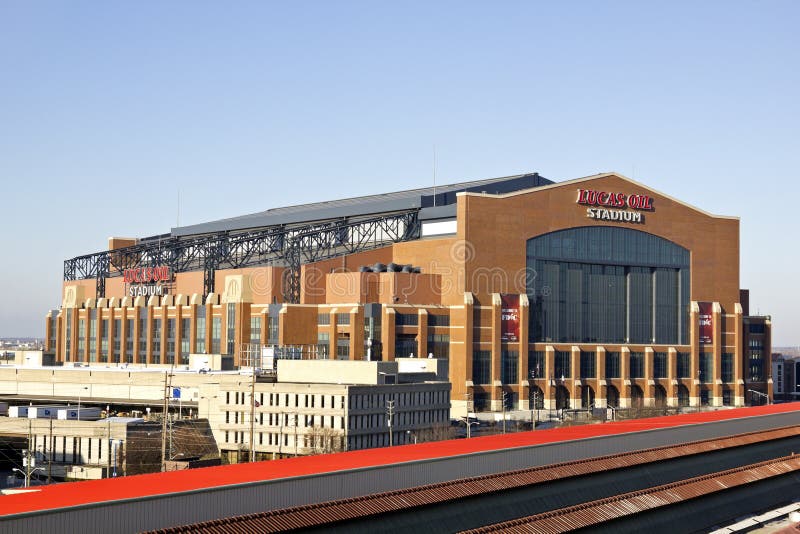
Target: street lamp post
[
  {"x": 115, "y": 443},
  {"x": 469, "y": 426},
  {"x": 412, "y": 435}
]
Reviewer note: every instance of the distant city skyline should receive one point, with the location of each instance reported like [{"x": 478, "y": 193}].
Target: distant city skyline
[{"x": 110, "y": 113}]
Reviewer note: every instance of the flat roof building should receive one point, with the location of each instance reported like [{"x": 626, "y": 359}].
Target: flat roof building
[{"x": 597, "y": 291}]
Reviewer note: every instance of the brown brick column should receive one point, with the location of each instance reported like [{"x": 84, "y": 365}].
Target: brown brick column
[{"x": 497, "y": 389}]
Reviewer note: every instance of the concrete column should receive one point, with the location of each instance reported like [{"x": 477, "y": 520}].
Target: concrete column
[
  {"x": 575, "y": 383},
  {"x": 625, "y": 377},
  {"x": 601, "y": 388},
  {"x": 550, "y": 383},
  {"x": 649, "y": 381},
  {"x": 672, "y": 381}
]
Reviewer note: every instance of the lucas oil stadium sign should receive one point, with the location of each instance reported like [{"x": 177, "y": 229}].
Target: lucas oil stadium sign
[
  {"x": 602, "y": 206},
  {"x": 147, "y": 281}
]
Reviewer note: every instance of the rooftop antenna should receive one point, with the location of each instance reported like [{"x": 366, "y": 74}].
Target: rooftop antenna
[{"x": 434, "y": 176}]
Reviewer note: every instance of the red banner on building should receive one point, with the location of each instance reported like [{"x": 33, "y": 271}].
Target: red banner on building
[
  {"x": 705, "y": 322},
  {"x": 509, "y": 318}
]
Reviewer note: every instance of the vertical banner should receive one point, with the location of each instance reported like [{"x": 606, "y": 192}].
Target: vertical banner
[
  {"x": 704, "y": 320},
  {"x": 509, "y": 318}
]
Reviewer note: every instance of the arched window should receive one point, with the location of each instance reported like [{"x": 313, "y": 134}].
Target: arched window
[{"x": 604, "y": 284}]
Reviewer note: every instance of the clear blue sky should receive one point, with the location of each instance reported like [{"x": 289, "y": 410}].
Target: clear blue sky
[{"x": 107, "y": 109}]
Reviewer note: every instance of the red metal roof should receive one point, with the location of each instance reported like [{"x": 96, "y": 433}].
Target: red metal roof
[{"x": 133, "y": 487}]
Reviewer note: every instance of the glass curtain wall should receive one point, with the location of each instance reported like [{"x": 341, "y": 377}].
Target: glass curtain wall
[{"x": 607, "y": 285}]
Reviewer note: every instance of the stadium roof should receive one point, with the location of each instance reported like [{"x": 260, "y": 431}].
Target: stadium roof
[{"x": 444, "y": 195}]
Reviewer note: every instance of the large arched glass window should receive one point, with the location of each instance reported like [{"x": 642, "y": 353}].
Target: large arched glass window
[{"x": 604, "y": 284}]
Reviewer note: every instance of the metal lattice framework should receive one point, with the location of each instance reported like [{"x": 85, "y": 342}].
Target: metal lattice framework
[{"x": 284, "y": 245}]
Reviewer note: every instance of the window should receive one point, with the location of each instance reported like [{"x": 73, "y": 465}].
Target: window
[
  {"x": 231, "y": 323},
  {"x": 117, "y": 341},
  {"x": 405, "y": 345},
  {"x": 727, "y": 368},
  {"x": 660, "y": 365},
  {"x": 406, "y": 319},
  {"x": 509, "y": 363},
  {"x": 637, "y": 364},
  {"x": 684, "y": 365},
  {"x": 68, "y": 336},
  {"x": 255, "y": 330},
  {"x": 156, "y": 341},
  {"x": 128, "y": 340},
  {"x": 170, "y": 341},
  {"x": 607, "y": 284},
  {"x": 104, "y": 340},
  {"x": 216, "y": 335},
  {"x": 342, "y": 318},
  {"x": 92, "y": 335},
  {"x": 438, "y": 320},
  {"x": 755, "y": 366},
  {"x": 536, "y": 364},
  {"x": 200, "y": 330},
  {"x": 563, "y": 364},
  {"x": 141, "y": 355},
  {"x": 186, "y": 331},
  {"x": 588, "y": 364},
  {"x": 273, "y": 326},
  {"x": 439, "y": 345},
  {"x": 323, "y": 345},
  {"x": 756, "y": 328},
  {"x": 343, "y": 347},
  {"x": 81, "y": 338},
  {"x": 481, "y": 367},
  {"x": 706, "y": 367},
  {"x": 612, "y": 365},
  {"x": 324, "y": 319}
]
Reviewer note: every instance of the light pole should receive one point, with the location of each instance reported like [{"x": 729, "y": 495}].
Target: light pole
[
  {"x": 79, "y": 400},
  {"x": 469, "y": 426},
  {"x": 115, "y": 443},
  {"x": 414, "y": 436},
  {"x": 389, "y": 414}
]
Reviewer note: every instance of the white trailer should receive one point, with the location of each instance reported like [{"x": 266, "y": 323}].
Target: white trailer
[
  {"x": 18, "y": 411},
  {"x": 86, "y": 414},
  {"x": 43, "y": 412}
]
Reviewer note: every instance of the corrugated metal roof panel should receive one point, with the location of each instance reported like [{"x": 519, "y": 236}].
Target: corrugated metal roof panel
[
  {"x": 593, "y": 513},
  {"x": 347, "y": 509}
]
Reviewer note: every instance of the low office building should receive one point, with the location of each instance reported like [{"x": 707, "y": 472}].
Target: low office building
[
  {"x": 598, "y": 291},
  {"x": 114, "y": 446},
  {"x": 328, "y": 406}
]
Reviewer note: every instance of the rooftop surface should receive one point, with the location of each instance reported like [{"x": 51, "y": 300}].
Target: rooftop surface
[
  {"x": 365, "y": 205},
  {"x": 73, "y": 494}
]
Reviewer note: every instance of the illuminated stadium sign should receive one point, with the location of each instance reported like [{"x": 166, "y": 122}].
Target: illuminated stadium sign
[{"x": 605, "y": 205}]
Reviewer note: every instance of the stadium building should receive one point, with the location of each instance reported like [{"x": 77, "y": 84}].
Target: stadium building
[{"x": 597, "y": 291}]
